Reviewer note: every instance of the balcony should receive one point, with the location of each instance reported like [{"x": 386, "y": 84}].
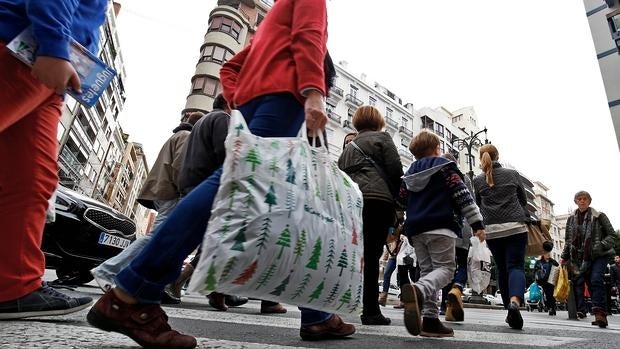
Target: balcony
[
  {"x": 333, "y": 116},
  {"x": 352, "y": 101},
  {"x": 348, "y": 125},
  {"x": 405, "y": 154},
  {"x": 405, "y": 131},
  {"x": 336, "y": 92},
  {"x": 391, "y": 122}
]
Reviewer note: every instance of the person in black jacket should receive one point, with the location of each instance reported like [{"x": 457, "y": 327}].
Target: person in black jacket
[{"x": 542, "y": 270}]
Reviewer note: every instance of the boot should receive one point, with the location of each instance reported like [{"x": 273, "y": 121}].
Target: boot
[
  {"x": 432, "y": 327},
  {"x": 454, "y": 305},
  {"x": 217, "y": 301},
  {"x": 600, "y": 317},
  {"x": 383, "y": 298},
  {"x": 173, "y": 290}
]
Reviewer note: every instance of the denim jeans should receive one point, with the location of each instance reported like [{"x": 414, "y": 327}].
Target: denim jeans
[
  {"x": 107, "y": 270},
  {"x": 160, "y": 262},
  {"x": 390, "y": 266},
  {"x": 594, "y": 279},
  {"x": 509, "y": 255}
]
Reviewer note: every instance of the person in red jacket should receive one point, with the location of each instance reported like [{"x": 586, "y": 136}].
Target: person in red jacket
[{"x": 277, "y": 82}]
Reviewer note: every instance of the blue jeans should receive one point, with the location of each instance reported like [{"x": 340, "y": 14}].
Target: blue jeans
[
  {"x": 594, "y": 279},
  {"x": 160, "y": 262},
  {"x": 509, "y": 255},
  {"x": 390, "y": 266}
]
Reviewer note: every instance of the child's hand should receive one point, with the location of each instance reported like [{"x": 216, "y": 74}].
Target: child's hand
[
  {"x": 56, "y": 73},
  {"x": 481, "y": 235}
]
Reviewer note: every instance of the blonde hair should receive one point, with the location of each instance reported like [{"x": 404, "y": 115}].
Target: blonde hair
[
  {"x": 488, "y": 154},
  {"x": 368, "y": 118},
  {"x": 423, "y": 144}
]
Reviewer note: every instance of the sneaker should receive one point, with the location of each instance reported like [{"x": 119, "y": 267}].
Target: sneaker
[
  {"x": 235, "y": 301},
  {"x": 552, "y": 312},
  {"x": 581, "y": 315},
  {"x": 378, "y": 319},
  {"x": 146, "y": 324},
  {"x": 45, "y": 301},
  {"x": 413, "y": 300},
  {"x": 432, "y": 327},
  {"x": 514, "y": 318},
  {"x": 168, "y": 296},
  {"x": 454, "y": 305},
  {"x": 333, "y": 328}
]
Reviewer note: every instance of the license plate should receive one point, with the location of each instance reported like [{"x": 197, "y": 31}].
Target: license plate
[{"x": 114, "y": 241}]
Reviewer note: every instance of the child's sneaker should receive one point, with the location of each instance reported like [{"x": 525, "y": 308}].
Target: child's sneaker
[
  {"x": 432, "y": 327},
  {"x": 413, "y": 300}
]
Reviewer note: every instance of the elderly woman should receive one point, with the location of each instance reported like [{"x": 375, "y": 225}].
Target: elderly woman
[
  {"x": 589, "y": 244},
  {"x": 377, "y": 187}
]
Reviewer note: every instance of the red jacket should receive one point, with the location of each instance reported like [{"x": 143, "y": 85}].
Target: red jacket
[{"x": 285, "y": 55}]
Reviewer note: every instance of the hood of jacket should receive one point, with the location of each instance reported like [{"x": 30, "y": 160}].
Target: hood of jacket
[
  {"x": 421, "y": 171},
  {"x": 184, "y": 126}
]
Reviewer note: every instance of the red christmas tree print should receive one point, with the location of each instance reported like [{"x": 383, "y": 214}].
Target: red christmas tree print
[{"x": 247, "y": 274}]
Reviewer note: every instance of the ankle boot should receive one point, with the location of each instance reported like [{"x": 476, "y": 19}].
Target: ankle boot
[
  {"x": 600, "y": 317},
  {"x": 174, "y": 289},
  {"x": 383, "y": 298}
]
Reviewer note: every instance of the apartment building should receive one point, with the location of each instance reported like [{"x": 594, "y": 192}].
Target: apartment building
[{"x": 546, "y": 214}]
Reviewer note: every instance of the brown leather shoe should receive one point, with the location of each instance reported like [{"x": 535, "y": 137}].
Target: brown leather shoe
[
  {"x": 147, "y": 324},
  {"x": 600, "y": 317},
  {"x": 272, "y": 308},
  {"x": 413, "y": 300},
  {"x": 217, "y": 301},
  {"x": 333, "y": 328}
]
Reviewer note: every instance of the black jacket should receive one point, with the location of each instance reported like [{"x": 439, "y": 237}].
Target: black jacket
[{"x": 205, "y": 151}]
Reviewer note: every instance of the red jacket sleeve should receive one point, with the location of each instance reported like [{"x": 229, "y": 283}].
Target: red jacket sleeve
[
  {"x": 309, "y": 36},
  {"x": 229, "y": 72}
]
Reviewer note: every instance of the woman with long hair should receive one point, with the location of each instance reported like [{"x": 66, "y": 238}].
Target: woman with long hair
[{"x": 502, "y": 201}]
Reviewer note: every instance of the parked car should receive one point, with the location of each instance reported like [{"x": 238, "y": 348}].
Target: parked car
[{"x": 84, "y": 234}]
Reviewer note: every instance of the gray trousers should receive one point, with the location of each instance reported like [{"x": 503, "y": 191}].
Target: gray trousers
[{"x": 437, "y": 264}]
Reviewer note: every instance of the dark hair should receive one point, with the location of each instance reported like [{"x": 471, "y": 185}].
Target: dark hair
[
  {"x": 548, "y": 246},
  {"x": 194, "y": 116},
  {"x": 219, "y": 102},
  {"x": 344, "y": 141}
]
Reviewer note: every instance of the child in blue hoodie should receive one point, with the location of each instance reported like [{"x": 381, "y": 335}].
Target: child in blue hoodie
[
  {"x": 30, "y": 107},
  {"x": 437, "y": 200}
]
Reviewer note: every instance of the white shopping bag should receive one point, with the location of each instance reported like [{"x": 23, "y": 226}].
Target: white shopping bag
[
  {"x": 478, "y": 265},
  {"x": 285, "y": 225}
]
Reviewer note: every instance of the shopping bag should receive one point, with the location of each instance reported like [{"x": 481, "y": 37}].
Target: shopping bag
[
  {"x": 285, "y": 225},
  {"x": 562, "y": 288},
  {"x": 478, "y": 265},
  {"x": 537, "y": 234},
  {"x": 554, "y": 274}
]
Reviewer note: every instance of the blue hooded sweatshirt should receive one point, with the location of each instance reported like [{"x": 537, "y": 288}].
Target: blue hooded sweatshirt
[{"x": 53, "y": 23}]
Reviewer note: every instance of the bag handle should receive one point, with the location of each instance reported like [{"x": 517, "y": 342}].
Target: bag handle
[{"x": 375, "y": 164}]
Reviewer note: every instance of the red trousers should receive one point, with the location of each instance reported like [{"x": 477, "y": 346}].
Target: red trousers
[{"x": 29, "y": 115}]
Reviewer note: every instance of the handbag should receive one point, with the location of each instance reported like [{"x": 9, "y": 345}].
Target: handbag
[
  {"x": 286, "y": 225},
  {"x": 537, "y": 234}
]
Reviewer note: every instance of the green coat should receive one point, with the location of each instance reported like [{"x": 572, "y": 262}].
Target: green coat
[{"x": 602, "y": 238}]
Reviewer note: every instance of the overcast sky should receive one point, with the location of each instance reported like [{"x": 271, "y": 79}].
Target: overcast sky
[{"x": 527, "y": 67}]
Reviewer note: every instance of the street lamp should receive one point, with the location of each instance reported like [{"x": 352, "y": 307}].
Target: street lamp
[{"x": 468, "y": 143}]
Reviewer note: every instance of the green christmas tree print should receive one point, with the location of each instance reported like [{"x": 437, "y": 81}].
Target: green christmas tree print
[
  {"x": 332, "y": 295},
  {"x": 239, "y": 128},
  {"x": 337, "y": 194},
  {"x": 253, "y": 157},
  {"x": 248, "y": 201},
  {"x": 270, "y": 198},
  {"x": 284, "y": 240},
  {"x": 313, "y": 263},
  {"x": 290, "y": 201},
  {"x": 305, "y": 181},
  {"x": 247, "y": 274},
  {"x": 265, "y": 276},
  {"x": 331, "y": 253},
  {"x": 251, "y": 181},
  {"x": 228, "y": 267},
  {"x": 358, "y": 299},
  {"x": 225, "y": 227},
  {"x": 240, "y": 239},
  {"x": 302, "y": 286},
  {"x": 346, "y": 298},
  {"x": 282, "y": 287},
  {"x": 234, "y": 188},
  {"x": 265, "y": 229},
  {"x": 302, "y": 151},
  {"x": 300, "y": 246},
  {"x": 349, "y": 202},
  {"x": 290, "y": 171},
  {"x": 211, "y": 281},
  {"x": 330, "y": 190},
  {"x": 354, "y": 236},
  {"x": 353, "y": 270},
  {"x": 317, "y": 292},
  {"x": 346, "y": 182},
  {"x": 359, "y": 205},
  {"x": 343, "y": 262},
  {"x": 273, "y": 167}
]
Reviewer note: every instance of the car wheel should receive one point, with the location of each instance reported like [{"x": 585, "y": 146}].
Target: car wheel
[{"x": 71, "y": 276}]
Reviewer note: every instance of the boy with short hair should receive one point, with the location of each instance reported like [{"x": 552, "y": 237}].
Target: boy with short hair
[{"x": 437, "y": 201}]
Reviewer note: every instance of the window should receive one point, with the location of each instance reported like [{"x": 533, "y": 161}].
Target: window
[
  {"x": 353, "y": 91},
  {"x": 388, "y": 112},
  {"x": 225, "y": 25},
  {"x": 449, "y": 135},
  {"x": 71, "y": 102},
  {"x": 439, "y": 129},
  {"x": 215, "y": 53},
  {"x": 205, "y": 85},
  {"x": 60, "y": 132},
  {"x": 372, "y": 101},
  {"x": 405, "y": 122},
  {"x": 456, "y": 118}
]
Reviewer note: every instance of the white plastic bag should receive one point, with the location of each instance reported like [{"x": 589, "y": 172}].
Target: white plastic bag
[
  {"x": 285, "y": 225},
  {"x": 50, "y": 215},
  {"x": 478, "y": 265}
]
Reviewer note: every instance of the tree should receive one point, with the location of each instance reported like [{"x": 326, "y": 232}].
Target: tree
[
  {"x": 300, "y": 246},
  {"x": 330, "y": 255},
  {"x": 343, "y": 261},
  {"x": 228, "y": 267},
  {"x": 282, "y": 287},
  {"x": 316, "y": 254},
  {"x": 358, "y": 299},
  {"x": 305, "y": 180},
  {"x": 354, "y": 236},
  {"x": 317, "y": 292},
  {"x": 290, "y": 201},
  {"x": 353, "y": 270},
  {"x": 239, "y": 128},
  {"x": 247, "y": 274},
  {"x": 284, "y": 240},
  {"x": 273, "y": 167},
  {"x": 225, "y": 227},
  {"x": 290, "y": 171},
  {"x": 346, "y": 298},
  {"x": 332, "y": 295},
  {"x": 211, "y": 281},
  {"x": 302, "y": 286},
  {"x": 270, "y": 198},
  {"x": 265, "y": 229},
  {"x": 240, "y": 239},
  {"x": 265, "y": 276},
  {"x": 253, "y": 157},
  {"x": 234, "y": 188}
]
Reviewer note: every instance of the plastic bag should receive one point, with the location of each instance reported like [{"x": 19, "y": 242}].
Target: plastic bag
[
  {"x": 478, "y": 265},
  {"x": 285, "y": 226},
  {"x": 562, "y": 288},
  {"x": 50, "y": 215}
]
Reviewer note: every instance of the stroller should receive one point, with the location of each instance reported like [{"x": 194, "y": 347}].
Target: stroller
[{"x": 534, "y": 298}]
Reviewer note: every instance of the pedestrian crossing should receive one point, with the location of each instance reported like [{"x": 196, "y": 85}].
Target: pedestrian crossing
[{"x": 483, "y": 328}]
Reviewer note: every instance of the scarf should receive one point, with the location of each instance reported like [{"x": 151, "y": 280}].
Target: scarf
[{"x": 582, "y": 239}]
